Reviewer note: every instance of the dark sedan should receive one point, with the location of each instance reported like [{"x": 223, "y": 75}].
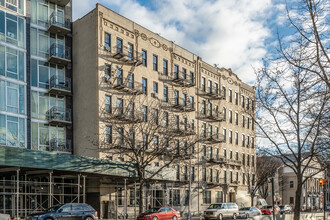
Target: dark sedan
[{"x": 74, "y": 211}]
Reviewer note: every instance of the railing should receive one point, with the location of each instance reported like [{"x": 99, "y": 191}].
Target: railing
[
  {"x": 234, "y": 162},
  {"x": 209, "y": 116},
  {"x": 124, "y": 54},
  {"x": 60, "y": 51},
  {"x": 124, "y": 115},
  {"x": 179, "y": 104},
  {"x": 212, "y": 94},
  {"x": 59, "y": 20},
  {"x": 206, "y": 137},
  {"x": 125, "y": 85},
  {"x": 59, "y": 114},
  {"x": 176, "y": 79},
  {"x": 60, "y": 145},
  {"x": 62, "y": 84}
]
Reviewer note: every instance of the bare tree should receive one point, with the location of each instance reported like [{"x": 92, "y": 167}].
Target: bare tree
[{"x": 145, "y": 132}]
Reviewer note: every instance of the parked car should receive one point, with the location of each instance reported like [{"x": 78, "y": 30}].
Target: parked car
[
  {"x": 67, "y": 211},
  {"x": 328, "y": 206},
  {"x": 4, "y": 217},
  {"x": 268, "y": 209},
  {"x": 248, "y": 212},
  {"x": 220, "y": 210},
  {"x": 285, "y": 209},
  {"x": 160, "y": 213}
]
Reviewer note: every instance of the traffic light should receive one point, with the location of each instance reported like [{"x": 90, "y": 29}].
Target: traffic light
[{"x": 321, "y": 183}]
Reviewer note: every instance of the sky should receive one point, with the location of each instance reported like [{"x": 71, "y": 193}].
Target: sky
[{"x": 236, "y": 34}]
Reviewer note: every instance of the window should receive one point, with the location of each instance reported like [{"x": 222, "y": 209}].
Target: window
[
  {"x": 144, "y": 85},
  {"x": 231, "y": 176},
  {"x": 134, "y": 197},
  {"x": 224, "y": 132},
  {"x": 155, "y": 62},
  {"x": 12, "y": 29},
  {"x": 248, "y": 159},
  {"x": 252, "y": 124},
  {"x": 185, "y": 173},
  {"x": 184, "y": 73},
  {"x": 248, "y": 141},
  {"x": 224, "y": 153},
  {"x": 120, "y": 106},
  {"x": 12, "y": 131},
  {"x": 209, "y": 86},
  {"x": 107, "y": 102},
  {"x": 107, "y": 41},
  {"x": 145, "y": 113},
  {"x": 130, "y": 52},
  {"x": 155, "y": 87},
  {"x": 243, "y": 178},
  {"x": 156, "y": 116},
  {"x": 236, "y": 138},
  {"x": 176, "y": 197},
  {"x": 192, "y": 78},
  {"x": 225, "y": 176},
  {"x": 119, "y": 44},
  {"x": 252, "y": 142},
  {"x": 206, "y": 197},
  {"x": 203, "y": 107},
  {"x": 204, "y": 174},
  {"x": 12, "y": 98},
  {"x": 119, "y": 195},
  {"x": 108, "y": 134},
  {"x": 192, "y": 125},
  {"x": 230, "y": 137},
  {"x": 203, "y": 83},
  {"x": 236, "y": 155},
  {"x": 230, "y": 116},
  {"x": 165, "y": 119},
  {"x": 165, "y": 67},
  {"x": 248, "y": 122},
  {"x": 216, "y": 88},
  {"x": 144, "y": 57},
  {"x": 247, "y": 103},
  {"x": 291, "y": 184},
  {"x": 13, "y": 5},
  {"x": 192, "y": 173},
  {"x": 243, "y": 121},
  {"x": 236, "y": 118},
  {"x": 291, "y": 200},
  {"x": 192, "y": 102},
  {"x": 224, "y": 92},
  {"x": 12, "y": 63},
  {"x": 211, "y": 175},
  {"x": 186, "y": 197},
  {"x": 156, "y": 142},
  {"x": 230, "y": 95},
  {"x": 217, "y": 176},
  {"x": 252, "y": 160},
  {"x": 224, "y": 113},
  {"x": 145, "y": 140},
  {"x": 176, "y": 97},
  {"x": 252, "y": 105},
  {"x": 165, "y": 94},
  {"x": 230, "y": 154},
  {"x": 243, "y": 140},
  {"x": 176, "y": 71},
  {"x": 236, "y": 98},
  {"x": 243, "y": 101},
  {"x": 177, "y": 168},
  {"x": 243, "y": 158},
  {"x": 218, "y": 197}
]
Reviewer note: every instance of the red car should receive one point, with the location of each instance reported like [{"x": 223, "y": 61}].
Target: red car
[
  {"x": 160, "y": 213},
  {"x": 268, "y": 210}
]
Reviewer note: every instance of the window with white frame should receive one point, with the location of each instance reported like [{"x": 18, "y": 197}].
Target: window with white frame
[
  {"x": 12, "y": 131},
  {"x": 12, "y": 63},
  {"x": 12, "y": 98},
  {"x": 41, "y": 103},
  {"x": 12, "y": 29}
]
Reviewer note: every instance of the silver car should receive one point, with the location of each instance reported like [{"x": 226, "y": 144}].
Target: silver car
[
  {"x": 248, "y": 212},
  {"x": 220, "y": 210}
]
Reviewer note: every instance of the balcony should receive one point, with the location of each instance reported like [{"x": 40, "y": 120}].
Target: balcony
[
  {"x": 59, "y": 54},
  {"x": 60, "y": 145},
  {"x": 207, "y": 138},
  {"x": 234, "y": 162},
  {"x": 209, "y": 116},
  {"x": 123, "y": 116},
  {"x": 176, "y": 79},
  {"x": 209, "y": 94},
  {"x": 62, "y": 3},
  {"x": 215, "y": 160},
  {"x": 178, "y": 105},
  {"x": 58, "y": 24},
  {"x": 177, "y": 131},
  {"x": 59, "y": 116},
  {"x": 125, "y": 86},
  {"x": 59, "y": 86},
  {"x": 124, "y": 55}
]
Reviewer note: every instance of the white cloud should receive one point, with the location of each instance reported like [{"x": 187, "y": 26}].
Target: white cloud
[{"x": 229, "y": 33}]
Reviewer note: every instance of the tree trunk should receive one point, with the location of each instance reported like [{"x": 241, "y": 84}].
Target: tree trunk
[
  {"x": 252, "y": 196},
  {"x": 141, "y": 196},
  {"x": 298, "y": 197}
]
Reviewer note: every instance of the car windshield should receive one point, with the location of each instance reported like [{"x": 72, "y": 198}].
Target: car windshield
[
  {"x": 214, "y": 206},
  {"x": 244, "y": 209},
  {"x": 54, "y": 208},
  {"x": 152, "y": 210}
]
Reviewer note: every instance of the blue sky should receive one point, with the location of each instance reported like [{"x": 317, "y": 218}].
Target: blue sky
[{"x": 234, "y": 34}]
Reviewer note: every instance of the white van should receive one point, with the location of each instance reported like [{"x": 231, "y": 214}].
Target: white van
[{"x": 220, "y": 210}]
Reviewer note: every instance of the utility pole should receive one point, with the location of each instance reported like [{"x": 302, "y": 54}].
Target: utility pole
[{"x": 271, "y": 180}]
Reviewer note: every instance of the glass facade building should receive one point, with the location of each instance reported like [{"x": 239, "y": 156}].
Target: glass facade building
[{"x": 35, "y": 74}]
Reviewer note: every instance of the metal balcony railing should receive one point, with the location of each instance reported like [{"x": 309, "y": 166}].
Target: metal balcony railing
[
  {"x": 177, "y": 130},
  {"x": 124, "y": 115},
  {"x": 208, "y": 138},
  {"x": 58, "y": 24},
  {"x": 176, "y": 79},
  {"x": 178, "y": 105},
  {"x": 209, "y": 116},
  {"x": 59, "y": 54},
  {"x": 60, "y": 145},
  {"x": 125, "y": 85},
  {"x": 215, "y": 159},
  {"x": 234, "y": 162},
  {"x": 60, "y": 86},
  {"x": 59, "y": 116},
  {"x": 125, "y": 55},
  {"x": 209, "y": 93}
]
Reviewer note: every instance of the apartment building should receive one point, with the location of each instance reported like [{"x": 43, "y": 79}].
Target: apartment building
[{"x": 120, "y": 68}]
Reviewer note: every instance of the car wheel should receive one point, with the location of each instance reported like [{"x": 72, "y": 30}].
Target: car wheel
[
  {"x": 175, "y": 218},
  {"x": 220, "y": 217},
  {"x": 89, "y": 218},
  {"x": 155, "y": 218},
  {"x": 234, "y": 216}
]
